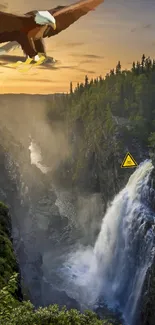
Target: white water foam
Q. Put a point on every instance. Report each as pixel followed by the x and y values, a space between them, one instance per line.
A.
pixel 116 266
pixel 36 157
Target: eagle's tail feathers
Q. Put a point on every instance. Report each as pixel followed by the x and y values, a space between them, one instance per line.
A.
pixel 10 46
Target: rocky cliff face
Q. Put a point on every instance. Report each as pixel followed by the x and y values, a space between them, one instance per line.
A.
pixel 147 316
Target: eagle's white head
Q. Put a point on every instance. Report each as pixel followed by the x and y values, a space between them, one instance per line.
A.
pixel 45 18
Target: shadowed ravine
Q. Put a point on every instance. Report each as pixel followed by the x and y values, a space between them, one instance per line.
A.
pixel 71 252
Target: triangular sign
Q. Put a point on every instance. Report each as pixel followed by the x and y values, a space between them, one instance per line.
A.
pixel 128 161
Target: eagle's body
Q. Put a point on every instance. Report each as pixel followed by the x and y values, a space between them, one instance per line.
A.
pixel 29 30
pixel 37 32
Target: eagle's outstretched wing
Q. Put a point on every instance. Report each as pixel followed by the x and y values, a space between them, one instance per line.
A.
pixel 67 15
pixel 12 26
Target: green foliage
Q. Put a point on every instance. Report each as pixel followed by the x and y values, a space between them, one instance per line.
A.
pixel 116 114
pixel 4 218
pixel 127 93
pixel 13 312
pixel 8 263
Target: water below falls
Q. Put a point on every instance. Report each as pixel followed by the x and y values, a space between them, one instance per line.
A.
pixel 116 266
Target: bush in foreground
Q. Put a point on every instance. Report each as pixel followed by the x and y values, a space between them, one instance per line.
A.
pixel 13 312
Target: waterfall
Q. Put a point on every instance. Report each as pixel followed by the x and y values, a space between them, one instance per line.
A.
pixel 36 157
pixel 117 264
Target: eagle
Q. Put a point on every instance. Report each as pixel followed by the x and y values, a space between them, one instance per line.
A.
pixel 30 29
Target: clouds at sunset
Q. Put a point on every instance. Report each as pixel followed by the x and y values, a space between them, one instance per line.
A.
pixel 89 56
pixel 3 6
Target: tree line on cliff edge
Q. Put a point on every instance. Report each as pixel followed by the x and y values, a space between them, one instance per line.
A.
pixel 125 93
pixel 112 113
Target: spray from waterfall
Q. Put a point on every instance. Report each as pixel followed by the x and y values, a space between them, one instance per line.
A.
pixel 117 264
pixel 36 157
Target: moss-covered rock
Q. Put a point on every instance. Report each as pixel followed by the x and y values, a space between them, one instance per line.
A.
pixel 5 220
pixel 8 262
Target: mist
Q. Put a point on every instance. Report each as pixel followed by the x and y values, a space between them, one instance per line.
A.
pixel 50 219
pixel 25 117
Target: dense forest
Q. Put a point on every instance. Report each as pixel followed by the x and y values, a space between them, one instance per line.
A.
pixel 104 118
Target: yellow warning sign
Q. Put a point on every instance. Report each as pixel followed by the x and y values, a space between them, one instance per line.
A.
pixel 129 161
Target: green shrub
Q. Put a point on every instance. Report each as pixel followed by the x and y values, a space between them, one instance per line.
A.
pixel 8 264
pixel 13 312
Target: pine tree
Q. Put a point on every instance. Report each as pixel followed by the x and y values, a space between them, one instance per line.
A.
pixel 133 67
pixel 100 79
pixel 143 62
pixel 71 87
pixel 118 67
pixel 112 72
pixel 138 67
pixel 148 64
pixel 86 81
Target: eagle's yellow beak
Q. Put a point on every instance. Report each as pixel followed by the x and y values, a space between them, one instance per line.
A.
pixel 54 26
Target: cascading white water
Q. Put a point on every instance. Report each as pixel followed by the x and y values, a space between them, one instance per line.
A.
pixel 36 157
pixel 116 266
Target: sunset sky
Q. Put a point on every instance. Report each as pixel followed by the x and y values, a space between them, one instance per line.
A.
pixel 117 30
